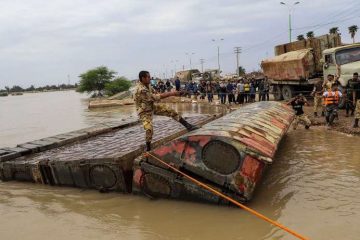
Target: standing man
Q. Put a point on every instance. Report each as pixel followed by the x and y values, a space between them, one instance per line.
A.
pixel 247 91
pixel 331 100
pixel 349 101
pixel 223 93
pixel 230 89
pixel 356 98
pixel 297 103
pixel 266 89
pixel 145 99
pixel 261 90
pixel 240 91
pixel 168 85
pixel 317 94
pixel 177 84
pixel 330 79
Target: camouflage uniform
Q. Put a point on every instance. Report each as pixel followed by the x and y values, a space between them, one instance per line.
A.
pixel 301 119
pixel 145 99
pixel 318 103
pixel 357 109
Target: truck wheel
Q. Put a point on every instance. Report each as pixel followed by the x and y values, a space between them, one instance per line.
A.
pixel 287 92
pixel 207 76
pixel 277 93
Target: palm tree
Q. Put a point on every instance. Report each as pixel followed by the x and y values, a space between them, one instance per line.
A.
pixel 300 37
pixel 334 30
pixel 310 34
pixel 352 30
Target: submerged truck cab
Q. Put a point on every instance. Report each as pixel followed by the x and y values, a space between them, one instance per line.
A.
pixel 343 61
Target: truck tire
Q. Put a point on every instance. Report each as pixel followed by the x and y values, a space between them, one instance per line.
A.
pixel 287 92
pixel 207 76
pixel 277 93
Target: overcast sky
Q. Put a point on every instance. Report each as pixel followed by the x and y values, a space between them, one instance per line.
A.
pixel 42 42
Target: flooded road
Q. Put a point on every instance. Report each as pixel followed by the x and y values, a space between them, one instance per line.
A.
pixel 313 187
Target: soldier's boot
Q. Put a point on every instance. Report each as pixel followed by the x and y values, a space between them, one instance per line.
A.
pixel 147 149
pixel 187 125
pixel 148 146
pixel 327 120
pixel 356 123
pixel 331 119
pixel 315 114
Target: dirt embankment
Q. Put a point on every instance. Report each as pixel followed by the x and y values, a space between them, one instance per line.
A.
pixel 343 124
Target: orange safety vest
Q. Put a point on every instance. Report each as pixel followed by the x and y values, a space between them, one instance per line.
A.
pixel 332 99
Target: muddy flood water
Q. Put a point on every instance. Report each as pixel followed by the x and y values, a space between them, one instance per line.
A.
pixel 313 187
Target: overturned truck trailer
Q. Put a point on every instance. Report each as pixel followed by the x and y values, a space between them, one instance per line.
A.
pixel 230 154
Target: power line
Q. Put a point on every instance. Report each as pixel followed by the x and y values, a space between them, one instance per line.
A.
pixel 333 15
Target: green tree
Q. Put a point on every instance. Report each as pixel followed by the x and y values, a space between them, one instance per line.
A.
pixel 241 70
pixel 94 80
pixel 334 30
pixel 310 34
pixel 7 89
pixel 352 30
pixel 16 88
pixel 300 37
pixel 119 84
pixel 31 88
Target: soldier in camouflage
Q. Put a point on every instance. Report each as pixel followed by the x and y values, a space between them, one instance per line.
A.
pixel 317 94
pixel 145 99
pixel 300 117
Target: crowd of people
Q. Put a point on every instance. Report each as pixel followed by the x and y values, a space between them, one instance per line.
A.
pixel 327 97
pixel 237 91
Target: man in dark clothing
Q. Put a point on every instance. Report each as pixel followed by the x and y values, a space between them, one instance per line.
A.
pixel 297 103
pixel 223 92
pixel 266 89
pixel 177 84
pixel 230 89
pixel 261 90
pixel 356 98
pixel 349 103
pixel 168 85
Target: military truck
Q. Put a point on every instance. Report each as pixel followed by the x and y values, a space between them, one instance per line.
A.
pixel 297 66
pixel 186 75
pixel 197 76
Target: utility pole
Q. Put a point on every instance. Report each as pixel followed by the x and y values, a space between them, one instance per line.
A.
pixel 237 51
pixel 290 8
pixel 202 61
pixel 189 54
pixel 218 50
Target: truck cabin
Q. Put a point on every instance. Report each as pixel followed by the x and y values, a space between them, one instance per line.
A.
pixel 349 55
pixel 344 60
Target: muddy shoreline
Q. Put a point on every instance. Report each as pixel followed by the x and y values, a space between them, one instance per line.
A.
pixel 343 124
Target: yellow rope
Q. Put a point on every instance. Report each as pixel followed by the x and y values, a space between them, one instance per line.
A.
pixel 229 198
